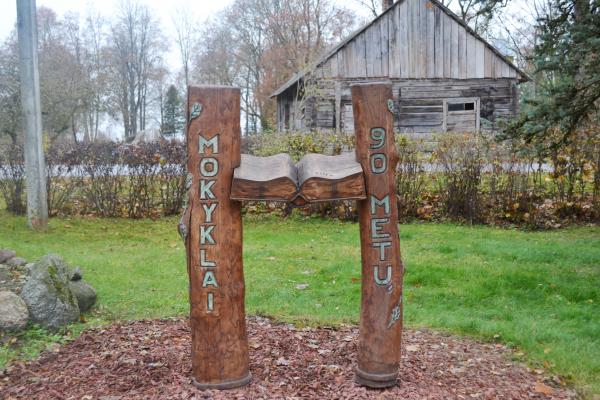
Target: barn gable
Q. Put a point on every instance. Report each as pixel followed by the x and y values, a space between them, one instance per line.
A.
pixel 413 39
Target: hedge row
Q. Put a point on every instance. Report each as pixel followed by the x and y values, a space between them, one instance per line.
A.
pixel 459 177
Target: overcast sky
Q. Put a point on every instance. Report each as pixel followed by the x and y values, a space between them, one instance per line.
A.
pixel 164 9
pixel 201 9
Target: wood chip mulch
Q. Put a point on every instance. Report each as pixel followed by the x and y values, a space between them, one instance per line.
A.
pixel 151 360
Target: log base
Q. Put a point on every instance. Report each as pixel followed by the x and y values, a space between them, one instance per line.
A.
pixel 376 381
pixel 223 385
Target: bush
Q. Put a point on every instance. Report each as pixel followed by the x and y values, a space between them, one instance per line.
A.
pixel 101 179
pixel 461 163
pixel 61 176
pixel 468 178
pixel 410 179
pixel 12 178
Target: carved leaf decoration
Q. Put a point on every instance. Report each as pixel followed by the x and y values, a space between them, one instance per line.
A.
pixel 195 111
pixel 390 105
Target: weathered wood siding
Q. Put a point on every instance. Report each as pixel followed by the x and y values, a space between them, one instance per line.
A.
pixel 420 105
pixel 416 39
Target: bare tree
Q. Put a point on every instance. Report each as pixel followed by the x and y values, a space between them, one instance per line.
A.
pixel 185 28
pixel 478 14
pixel 137 50
pixel 10 94
pixel 258 44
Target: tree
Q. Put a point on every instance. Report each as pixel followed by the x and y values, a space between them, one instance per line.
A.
pixel 566 60
pixel 136 52
pixel 258 44
pixel 478 14
pixel 10 93
pixel 97 74
pixel 173 120
pixel 185 28
pixel 63 81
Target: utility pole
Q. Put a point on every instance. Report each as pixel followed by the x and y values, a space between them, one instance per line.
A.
pixel 37 205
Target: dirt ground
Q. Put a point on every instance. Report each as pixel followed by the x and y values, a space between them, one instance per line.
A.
pixel 151 360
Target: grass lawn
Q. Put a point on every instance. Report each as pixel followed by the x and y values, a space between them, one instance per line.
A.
pixel 536 291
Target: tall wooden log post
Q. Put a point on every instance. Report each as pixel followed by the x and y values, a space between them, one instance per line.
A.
pixel 212 229
pixel 382 270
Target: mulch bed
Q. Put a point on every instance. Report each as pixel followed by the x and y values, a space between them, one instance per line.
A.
pixel 150 360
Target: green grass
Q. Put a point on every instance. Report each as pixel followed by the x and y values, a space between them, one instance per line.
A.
pixel 536 291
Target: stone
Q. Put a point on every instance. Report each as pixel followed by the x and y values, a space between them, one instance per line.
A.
pixel 5 274
pixel 47 293
pixel 76 275
pixel 84 293
pixel 12 278
pixel 16 262
pixel 13 312
pixel 6 255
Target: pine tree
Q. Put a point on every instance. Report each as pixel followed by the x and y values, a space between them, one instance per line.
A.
pixel 568 61
pixel 173 119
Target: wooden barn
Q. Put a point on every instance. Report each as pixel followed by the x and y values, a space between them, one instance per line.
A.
pixel 445 77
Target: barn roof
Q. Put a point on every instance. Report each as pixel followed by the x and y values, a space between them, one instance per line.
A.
pixel 299 75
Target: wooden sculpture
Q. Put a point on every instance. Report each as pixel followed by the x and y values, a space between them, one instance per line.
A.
pixel 212 227
pixel 219 178
pixel 315 178
pixel 382 271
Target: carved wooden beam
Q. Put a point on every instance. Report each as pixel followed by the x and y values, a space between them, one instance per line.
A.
pixel 212 226
pixel 382 270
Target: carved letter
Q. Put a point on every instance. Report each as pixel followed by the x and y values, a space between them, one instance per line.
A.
pixel 385 202
pixel 213 143
pixel 382 246
pixel 209 279
pixel 210 302
pixel 203 262
pixel 205 234
pixel 378 169
pixel 376 227
pixel 205 191
pixel 208 210
pixel 214 167
pixel 388 276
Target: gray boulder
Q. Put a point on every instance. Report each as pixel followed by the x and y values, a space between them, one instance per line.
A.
pixel 47 293
pixel 5 274
pixel 16 262
pixel 6 255
pixel 84 293
pixel 13 312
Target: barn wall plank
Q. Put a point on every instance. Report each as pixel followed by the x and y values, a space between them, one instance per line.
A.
pixel 479 58
pixel 430 39
pixel 454 51
pixel 395 44
pixel 403 39
pixel 439 43
pixel 423 44
pixel 461 53
pixel 447 41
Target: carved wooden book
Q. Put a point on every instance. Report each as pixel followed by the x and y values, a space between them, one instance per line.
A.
pixel 315 178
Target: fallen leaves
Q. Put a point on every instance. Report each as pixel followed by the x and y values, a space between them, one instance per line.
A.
pixel 151 360
pixel 543 388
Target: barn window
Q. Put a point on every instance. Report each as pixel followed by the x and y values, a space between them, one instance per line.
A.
pixel 469 106
pixel 461 114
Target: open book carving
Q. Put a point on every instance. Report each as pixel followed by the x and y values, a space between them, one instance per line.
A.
pixel 315 178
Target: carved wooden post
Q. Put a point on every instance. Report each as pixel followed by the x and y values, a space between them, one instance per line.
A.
pixel 212 229
pixel 382 270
